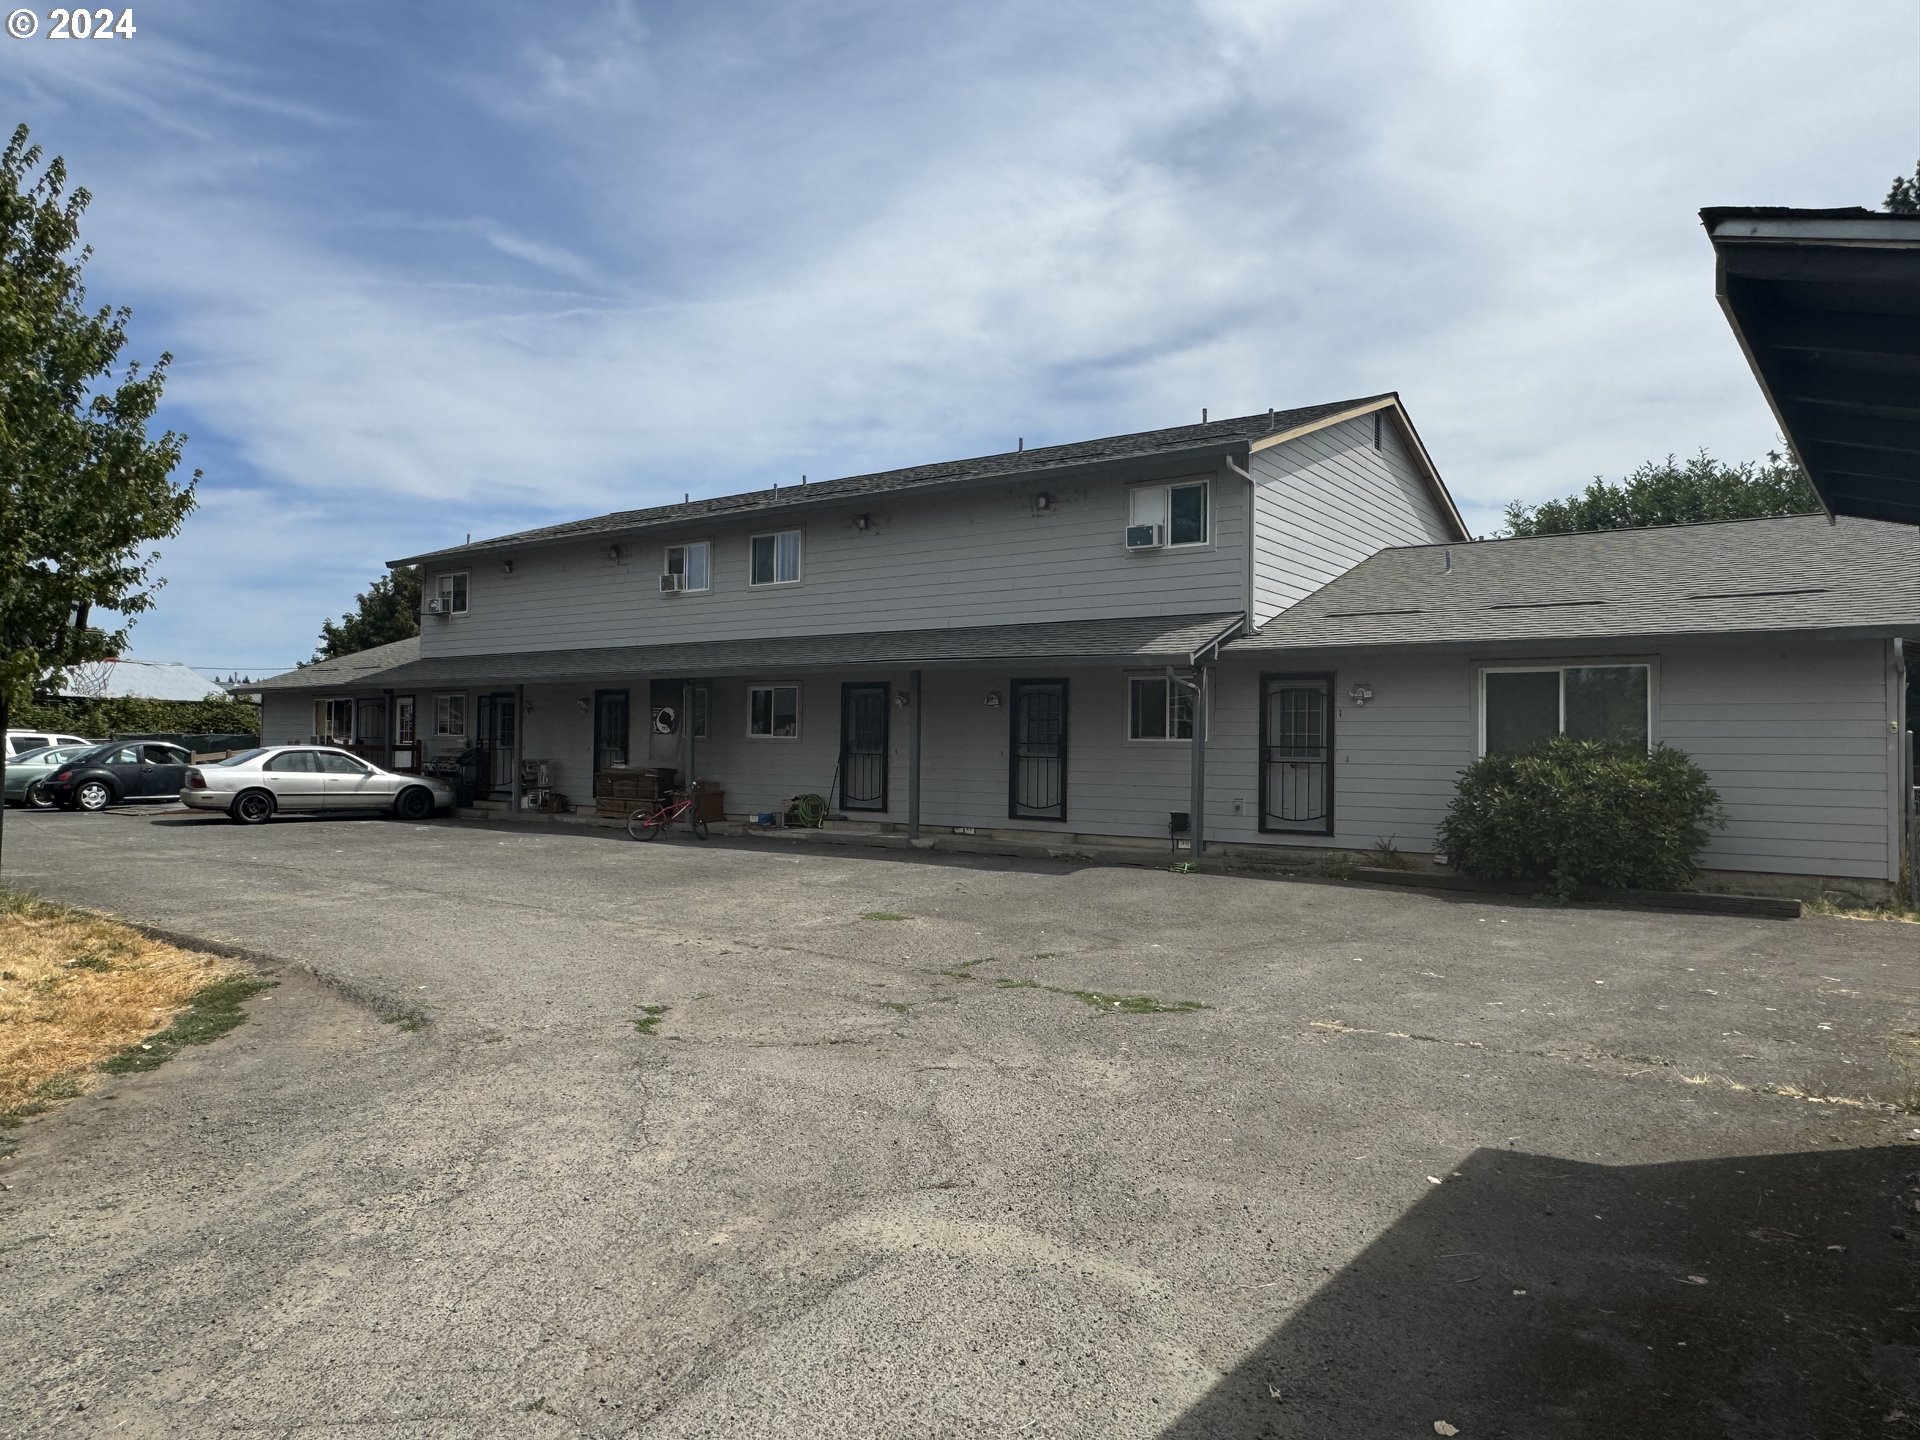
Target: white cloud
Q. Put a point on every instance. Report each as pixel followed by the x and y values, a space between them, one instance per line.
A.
pixel 847 237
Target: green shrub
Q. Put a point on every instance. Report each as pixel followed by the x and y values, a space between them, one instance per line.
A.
pixel 1577 814
pixel 126 715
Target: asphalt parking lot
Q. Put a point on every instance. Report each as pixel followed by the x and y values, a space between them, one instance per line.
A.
pixel 929 1148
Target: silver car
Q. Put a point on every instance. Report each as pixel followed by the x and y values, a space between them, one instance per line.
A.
pixel 26 770
pixel 253 785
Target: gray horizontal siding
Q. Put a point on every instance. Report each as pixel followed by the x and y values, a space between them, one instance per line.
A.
pixel 983 558
pixel 285 719
pixel 1805 789
pixel 1326 501
pixel 1793 736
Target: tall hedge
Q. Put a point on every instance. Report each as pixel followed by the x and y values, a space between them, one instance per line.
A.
pixel 97 719
pixel 1580 814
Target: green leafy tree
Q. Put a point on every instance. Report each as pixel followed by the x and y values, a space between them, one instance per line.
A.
pixel 1673 492
pixel 1904 197
pixel 83 487
pixel 387 610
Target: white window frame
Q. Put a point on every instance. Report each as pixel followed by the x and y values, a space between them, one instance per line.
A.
pixel 683 546
pixel 700 709
pixel 443 715
pixel 1560 668
pixel 1164 489
pixel 443 591
pixel 799 558
pixel 323 719
pixel 752 690
pixel 1169 738
pixel 408 707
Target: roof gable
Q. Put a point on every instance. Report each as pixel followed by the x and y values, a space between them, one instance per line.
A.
pixel 1235 435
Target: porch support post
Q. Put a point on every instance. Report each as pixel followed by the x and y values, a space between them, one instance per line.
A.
pixel 1197 802
pixel 519 744
pixel 913 755
pixel 688 777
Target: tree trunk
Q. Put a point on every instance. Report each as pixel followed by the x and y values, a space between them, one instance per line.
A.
pixel 5 715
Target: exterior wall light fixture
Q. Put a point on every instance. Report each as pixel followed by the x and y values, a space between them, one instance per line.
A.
pixel 863 522
pixel 506 567
pixel 1359 694
pixel 993 699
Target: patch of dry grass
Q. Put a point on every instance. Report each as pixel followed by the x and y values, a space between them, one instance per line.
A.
pixel 1841 910
pixel 78 990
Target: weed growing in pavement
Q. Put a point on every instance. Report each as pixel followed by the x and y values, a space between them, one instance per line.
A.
pixel 882 915
pixel 1100 1000
pixel 649 1019
pixel 403 1020
pixel 211 1013
pixel 1387 855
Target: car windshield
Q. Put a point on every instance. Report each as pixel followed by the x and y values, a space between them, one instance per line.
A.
pixel 240 757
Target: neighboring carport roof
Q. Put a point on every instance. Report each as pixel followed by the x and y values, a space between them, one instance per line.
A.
pixel 1826 304
pixel 1800 573
pixel 1150 639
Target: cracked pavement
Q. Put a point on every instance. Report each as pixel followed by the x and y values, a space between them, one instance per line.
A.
pixel 854 1183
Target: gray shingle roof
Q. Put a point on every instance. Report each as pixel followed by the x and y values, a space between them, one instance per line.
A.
pixel 1745 576
pixel 1157 639
pixel 1217 436
pixel 345 671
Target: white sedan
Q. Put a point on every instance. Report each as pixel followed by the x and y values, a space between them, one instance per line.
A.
pixel 255 784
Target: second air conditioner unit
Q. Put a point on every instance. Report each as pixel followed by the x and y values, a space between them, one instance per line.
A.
pixel 672 584
pixel 1146 537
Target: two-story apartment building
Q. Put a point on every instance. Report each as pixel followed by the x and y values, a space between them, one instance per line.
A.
pixel 1234 626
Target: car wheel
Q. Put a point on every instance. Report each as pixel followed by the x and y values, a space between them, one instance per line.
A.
pixel 415 803
pixel 36 798
pixel 252 807
pixel 93 795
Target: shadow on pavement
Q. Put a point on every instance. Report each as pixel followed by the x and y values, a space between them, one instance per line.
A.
pixel 1766 1295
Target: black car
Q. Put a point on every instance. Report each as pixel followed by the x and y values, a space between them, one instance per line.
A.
pixel 125 770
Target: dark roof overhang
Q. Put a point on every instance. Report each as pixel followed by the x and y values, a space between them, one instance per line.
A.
pixel 1826 305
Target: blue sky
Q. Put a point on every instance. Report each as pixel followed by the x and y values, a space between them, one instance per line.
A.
pixel 435 268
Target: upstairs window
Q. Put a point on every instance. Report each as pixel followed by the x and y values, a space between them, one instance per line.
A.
pixel 694 562
pixel 452 593
pixel 1184 511
pixel 776 559
pixel 1521 708
pixel 1158 709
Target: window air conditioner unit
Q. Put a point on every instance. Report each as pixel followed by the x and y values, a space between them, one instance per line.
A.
pixel 672 584
pixel 436 605
pixel 1146 537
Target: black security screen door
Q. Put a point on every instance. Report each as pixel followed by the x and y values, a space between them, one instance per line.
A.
pixel 609 729
pixel 1296 753
pixel 497 716
pixel 1037 750
pixel 863 747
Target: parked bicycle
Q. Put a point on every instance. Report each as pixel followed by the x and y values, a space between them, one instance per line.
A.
pixel 645 824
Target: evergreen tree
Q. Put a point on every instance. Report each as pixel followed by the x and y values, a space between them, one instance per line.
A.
pixel 387 610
